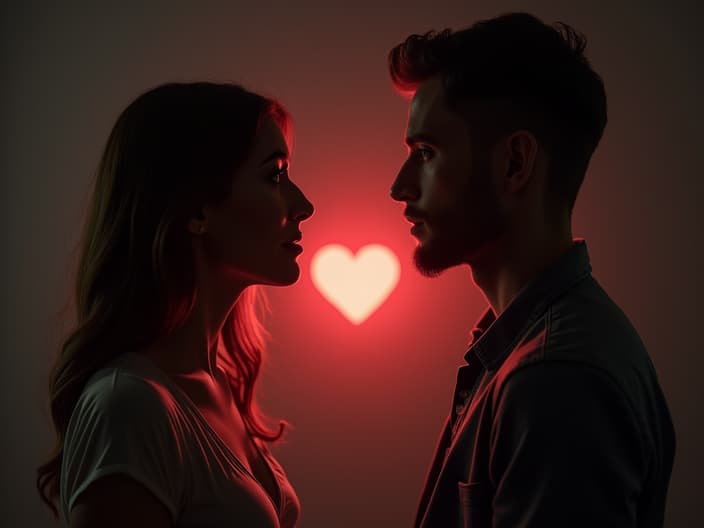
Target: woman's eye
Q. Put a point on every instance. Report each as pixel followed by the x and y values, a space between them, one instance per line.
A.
pixel 280 173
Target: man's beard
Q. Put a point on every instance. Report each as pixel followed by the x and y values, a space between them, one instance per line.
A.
pixel 455 240
pixel 435 256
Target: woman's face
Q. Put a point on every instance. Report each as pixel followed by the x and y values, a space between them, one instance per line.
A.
pixel 249 235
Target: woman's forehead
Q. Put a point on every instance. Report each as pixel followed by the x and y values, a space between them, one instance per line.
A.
pixel 269 142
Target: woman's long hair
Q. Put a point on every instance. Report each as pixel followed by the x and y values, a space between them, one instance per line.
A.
pixel 173 150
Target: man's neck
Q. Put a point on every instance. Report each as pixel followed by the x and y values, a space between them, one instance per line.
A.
pixel 513 262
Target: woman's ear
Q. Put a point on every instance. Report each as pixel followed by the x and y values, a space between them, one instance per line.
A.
pixel 522 148
pixel 197 224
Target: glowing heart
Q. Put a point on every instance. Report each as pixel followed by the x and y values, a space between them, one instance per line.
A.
pixel 355 284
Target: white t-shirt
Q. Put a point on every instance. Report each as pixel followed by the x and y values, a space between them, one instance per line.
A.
pixel 131 419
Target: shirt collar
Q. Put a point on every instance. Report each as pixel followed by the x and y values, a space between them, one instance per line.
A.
pixel 493 338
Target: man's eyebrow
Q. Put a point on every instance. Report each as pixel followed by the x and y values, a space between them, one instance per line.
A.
pixel 277 154
pixel 419 138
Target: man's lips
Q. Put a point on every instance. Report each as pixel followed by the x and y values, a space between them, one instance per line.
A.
pixel 412 215
pixel 417 228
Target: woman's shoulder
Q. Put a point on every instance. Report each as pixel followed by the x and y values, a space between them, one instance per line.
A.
pixel 127 384
pixel 124 422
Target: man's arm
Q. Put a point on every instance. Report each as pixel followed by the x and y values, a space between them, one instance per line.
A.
pixel 566 450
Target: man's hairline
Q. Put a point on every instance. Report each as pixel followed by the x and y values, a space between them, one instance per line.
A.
pixel 475 140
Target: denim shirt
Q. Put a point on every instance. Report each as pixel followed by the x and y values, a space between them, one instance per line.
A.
pixel 558 418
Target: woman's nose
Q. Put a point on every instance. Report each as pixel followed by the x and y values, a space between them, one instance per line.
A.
pixel 303 207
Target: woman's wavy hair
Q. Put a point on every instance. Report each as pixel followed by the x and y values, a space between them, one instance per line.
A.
pixel 173 150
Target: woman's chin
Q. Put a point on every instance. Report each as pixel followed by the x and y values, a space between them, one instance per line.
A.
pixel 287 277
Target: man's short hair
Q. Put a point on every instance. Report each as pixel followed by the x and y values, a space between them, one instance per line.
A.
pixel 515 72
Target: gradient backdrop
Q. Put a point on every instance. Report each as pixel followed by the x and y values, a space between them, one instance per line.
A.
pixel 366 401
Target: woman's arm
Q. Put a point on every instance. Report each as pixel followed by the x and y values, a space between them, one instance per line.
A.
pixel 118 501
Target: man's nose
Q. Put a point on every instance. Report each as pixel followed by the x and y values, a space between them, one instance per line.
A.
pixel 405 188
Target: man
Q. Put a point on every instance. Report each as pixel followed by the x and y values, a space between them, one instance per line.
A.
pixel 558 418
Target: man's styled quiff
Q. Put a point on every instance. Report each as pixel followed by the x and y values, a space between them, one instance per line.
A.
pixel 515 72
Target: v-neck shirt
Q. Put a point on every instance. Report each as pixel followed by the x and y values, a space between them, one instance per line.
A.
pixel 132 419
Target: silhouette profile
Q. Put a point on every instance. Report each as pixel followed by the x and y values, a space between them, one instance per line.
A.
pixel 152 394
pixel 557 417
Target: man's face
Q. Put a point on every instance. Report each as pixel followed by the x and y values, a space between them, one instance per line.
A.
pixel 447 185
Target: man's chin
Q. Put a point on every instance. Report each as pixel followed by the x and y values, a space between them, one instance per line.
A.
pixel 431 263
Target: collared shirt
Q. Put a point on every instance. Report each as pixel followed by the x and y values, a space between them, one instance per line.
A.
pixel 469 378
pixel 492 337
pixel 557 419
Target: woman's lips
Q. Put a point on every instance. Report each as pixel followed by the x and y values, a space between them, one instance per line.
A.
pixel 293 247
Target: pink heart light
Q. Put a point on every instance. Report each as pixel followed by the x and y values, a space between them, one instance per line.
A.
pixel 357 285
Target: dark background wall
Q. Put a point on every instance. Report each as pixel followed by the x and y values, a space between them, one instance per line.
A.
pixel 366 401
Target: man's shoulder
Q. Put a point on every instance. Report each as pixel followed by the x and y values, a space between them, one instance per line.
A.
pixel 583 329
pixel 585 325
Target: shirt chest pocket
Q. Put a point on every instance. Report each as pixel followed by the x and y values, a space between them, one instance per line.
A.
pixel 475 504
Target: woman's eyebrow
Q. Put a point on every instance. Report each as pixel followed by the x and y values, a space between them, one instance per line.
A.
pixel 277 154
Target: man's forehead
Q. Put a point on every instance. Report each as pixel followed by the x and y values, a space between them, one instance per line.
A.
pixel 428 109
pixel 429 91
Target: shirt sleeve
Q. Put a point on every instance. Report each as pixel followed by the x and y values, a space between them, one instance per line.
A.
pixel 566 450
pixel 123 425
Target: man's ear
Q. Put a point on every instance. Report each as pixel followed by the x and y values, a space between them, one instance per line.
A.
pixel 521 152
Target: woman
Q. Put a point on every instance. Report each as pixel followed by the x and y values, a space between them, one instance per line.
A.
pixel 152 393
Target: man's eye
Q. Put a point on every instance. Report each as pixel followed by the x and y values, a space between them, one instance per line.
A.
pixel 422 153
